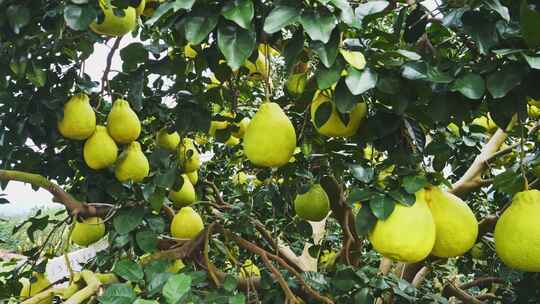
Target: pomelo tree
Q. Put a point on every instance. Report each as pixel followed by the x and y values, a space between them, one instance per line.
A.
pixel 402 132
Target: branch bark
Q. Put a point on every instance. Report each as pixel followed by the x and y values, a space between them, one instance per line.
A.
pixel 75 207
pixel 451 290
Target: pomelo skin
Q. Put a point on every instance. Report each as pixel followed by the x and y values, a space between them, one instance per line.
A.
pixel 334 126
pixel 270 138
pixel 313 205
pixel 408 234
pixel 456 225
pixel 517 232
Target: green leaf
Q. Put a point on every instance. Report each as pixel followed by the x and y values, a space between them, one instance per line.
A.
pixel 382 206
pixel 362 174
pixel 323 113
pixel 238 298
pixel 347 13
pixel 127 220
pixel 481 29
pixel 142 301
pixel 363 296
pixel 359 82
pixel 530 23
pixel 128 270
pixel 496 6
pixel 533 61
pixel 147 240
pixel 500 82
pixel 18 17
pixel 369 8
pixel 327 52
pixel 293 48
pixel 198 24
pixel 435 74
pixel 414 71
pixel 230 283
pixel 471 85
pixel 36 75
pixel 412 184
pixel 132 55
pixel 157 282
pixel 415 24
pixel 328 77
pixel 118 294
pixel 280 17
pixel 79 17
pixel 318 24
pixel 166 7
pixel 509 182
pixel 409 55
pixel 343 98
pixel 364 221
pixel 177 286
pixel 239 11
pixel 359 195
pixel 236 44
pixel 402 197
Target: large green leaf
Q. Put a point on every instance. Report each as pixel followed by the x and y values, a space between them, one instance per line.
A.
pixel 382 206
pixel 166 7
pixel 530 23
pixel 239 11
pixel 128 270
pixel 482 30
pixel 18 17
pixel 280 17
pixel 177 286
pixel 502 81
pixel 369 8
pixel 471 85
pixel 118 294
pixel 328 77
pixel 345 101
pixel 198 24
pixel 127 220
pixel 79 17
pixel 359 82
pixel 236 44
pixel 327 52
pixel 318 24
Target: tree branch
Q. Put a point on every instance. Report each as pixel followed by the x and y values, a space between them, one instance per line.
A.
pixel 451 290
pixel 75 207
pixel 105 77
pixel 481 282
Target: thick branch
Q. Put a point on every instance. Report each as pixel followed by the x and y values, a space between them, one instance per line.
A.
pixel 451 290
pixel 471 180
pixel 92 286
pixel 259 251
pixel 481 282
pixel 74 206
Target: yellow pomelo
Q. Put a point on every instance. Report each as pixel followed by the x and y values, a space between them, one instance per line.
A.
pixel 186 224
pixel 296 83
pixel 455 224
pixel 176 266
pixel 248 269
pixel 328 259
pixel 184 196
pixel 79 121
pixel 132 164
pixel 122 123
pixel 270 138
pixel 88 231
pixel 30 289
pixel 188 155
pixel 313 205
pixel 408 234
pixel 533 111
pixel 454 129
pixel 189 52
pixel 517 233
pixel 259 69
pixel 216 125
pixel 354 58
pixel 100 150
pixel 334 126
pixel 166 140
pixel 113 25
pixel 533 102
pixel 140 8
pixel 486 122
pixel 242 127
pixel 193 177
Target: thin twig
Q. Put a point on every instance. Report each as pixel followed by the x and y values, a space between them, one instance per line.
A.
pixel 105 77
